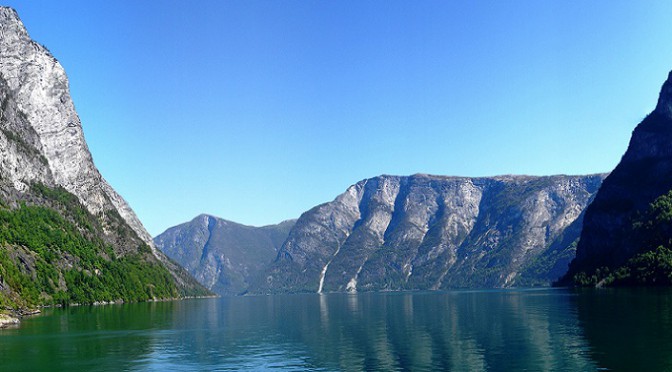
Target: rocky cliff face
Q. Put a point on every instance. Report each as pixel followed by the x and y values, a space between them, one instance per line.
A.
pixel 644 173
pixel 432 232
pixel 223 255
pixel 65 234
pixel 40 89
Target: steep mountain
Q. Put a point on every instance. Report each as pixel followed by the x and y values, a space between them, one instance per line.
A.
pixel 65 234
pixel 610 236
pixel 433 232
pixel 223 255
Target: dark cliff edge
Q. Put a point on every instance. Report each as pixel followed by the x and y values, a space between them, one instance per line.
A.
pixel 618 224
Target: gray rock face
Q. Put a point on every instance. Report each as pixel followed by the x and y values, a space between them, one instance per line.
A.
pixel 223 255
pixel 20 149
pixel 44 161
pixel 40 89
pixel 643 174
pixel 433 232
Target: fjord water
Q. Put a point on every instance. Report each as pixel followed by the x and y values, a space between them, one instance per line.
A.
pixel 550 329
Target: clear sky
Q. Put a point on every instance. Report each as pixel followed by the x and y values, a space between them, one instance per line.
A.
pixel 256 111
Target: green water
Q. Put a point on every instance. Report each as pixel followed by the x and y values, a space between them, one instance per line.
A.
pixel 510 330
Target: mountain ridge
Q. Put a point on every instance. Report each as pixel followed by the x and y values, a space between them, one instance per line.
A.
pixel 416 232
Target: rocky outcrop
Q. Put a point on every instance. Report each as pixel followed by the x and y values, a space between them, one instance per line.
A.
pixel 7 320
pixel 434 232
pixel 223 255
pixel 643 174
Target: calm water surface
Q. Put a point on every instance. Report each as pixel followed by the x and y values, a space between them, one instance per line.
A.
pixel 503 330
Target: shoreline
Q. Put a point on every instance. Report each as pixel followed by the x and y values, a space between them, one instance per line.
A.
pixel 13 317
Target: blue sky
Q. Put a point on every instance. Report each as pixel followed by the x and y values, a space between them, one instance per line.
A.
pixel 256 111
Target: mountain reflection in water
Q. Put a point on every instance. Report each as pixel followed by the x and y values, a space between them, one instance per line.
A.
pixel 546 329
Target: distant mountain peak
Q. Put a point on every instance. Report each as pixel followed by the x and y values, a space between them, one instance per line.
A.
pixel 223 255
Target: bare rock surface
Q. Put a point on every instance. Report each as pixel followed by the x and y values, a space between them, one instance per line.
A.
pixel 426 232
pixel 40 87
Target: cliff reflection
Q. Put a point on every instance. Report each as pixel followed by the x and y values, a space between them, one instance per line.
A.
pixel 628 328
pixel 448 331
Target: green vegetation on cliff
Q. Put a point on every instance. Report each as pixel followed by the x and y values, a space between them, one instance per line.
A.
pixel 57 256
pixel 652 265
pixel 653 268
